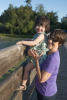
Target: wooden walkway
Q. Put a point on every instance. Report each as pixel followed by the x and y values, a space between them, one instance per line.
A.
pixel 62 76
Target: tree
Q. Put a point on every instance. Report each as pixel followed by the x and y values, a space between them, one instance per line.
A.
pixel 40 10
pixel 64 23
pixel 22 20
pixel 28 2
pixel 53 19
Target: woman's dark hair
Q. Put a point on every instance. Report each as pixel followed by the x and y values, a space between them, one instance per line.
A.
pixel 58 35
pixel 43 21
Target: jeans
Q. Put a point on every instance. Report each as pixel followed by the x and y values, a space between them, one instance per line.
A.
pixel 41 97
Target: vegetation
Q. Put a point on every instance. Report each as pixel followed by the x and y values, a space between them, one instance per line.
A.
pixel 21 21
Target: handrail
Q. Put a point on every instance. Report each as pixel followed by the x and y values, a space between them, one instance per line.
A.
pixel 11 80
pixel 9 57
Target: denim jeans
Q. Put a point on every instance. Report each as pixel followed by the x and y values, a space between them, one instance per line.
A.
pixel 41 97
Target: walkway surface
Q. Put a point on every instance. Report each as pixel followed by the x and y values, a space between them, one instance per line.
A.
pixel 62 76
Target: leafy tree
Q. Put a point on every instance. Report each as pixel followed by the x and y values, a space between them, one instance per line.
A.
pixel 18 20
pixel 2 28
pixel 22 20
pixel 28 2
pixel 64 23
pixel 53 19
pixel 40 10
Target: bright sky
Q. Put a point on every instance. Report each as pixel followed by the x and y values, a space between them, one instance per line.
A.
pixel 59 6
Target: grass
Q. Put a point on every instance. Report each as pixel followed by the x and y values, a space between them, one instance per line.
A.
pixel 14 36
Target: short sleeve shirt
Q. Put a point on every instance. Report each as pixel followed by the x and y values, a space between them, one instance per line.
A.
pixel 50 65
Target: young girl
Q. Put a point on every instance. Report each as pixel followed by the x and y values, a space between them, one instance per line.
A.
pixel 42 25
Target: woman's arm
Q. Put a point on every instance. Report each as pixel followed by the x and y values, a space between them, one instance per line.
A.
pixel 42 75
pixel 41 54
pixel 30 52
pixel 33 42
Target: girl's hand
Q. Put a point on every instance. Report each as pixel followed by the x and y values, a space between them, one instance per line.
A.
pixel 19 43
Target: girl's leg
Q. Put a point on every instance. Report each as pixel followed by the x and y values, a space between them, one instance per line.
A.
pixel 27 69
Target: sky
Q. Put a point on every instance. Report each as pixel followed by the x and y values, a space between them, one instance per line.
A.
pixel 59 6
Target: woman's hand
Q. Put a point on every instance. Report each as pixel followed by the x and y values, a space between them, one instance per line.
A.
pixel 35 55
pixel 30 53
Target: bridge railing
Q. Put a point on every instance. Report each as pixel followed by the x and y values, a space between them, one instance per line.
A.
pixel 11 72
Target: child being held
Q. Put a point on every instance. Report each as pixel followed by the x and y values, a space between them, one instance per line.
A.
pixel 42 25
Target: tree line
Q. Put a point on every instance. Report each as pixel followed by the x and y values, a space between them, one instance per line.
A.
pixel 21 20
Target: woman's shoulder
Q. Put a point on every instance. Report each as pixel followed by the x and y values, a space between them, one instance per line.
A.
pixel 54 56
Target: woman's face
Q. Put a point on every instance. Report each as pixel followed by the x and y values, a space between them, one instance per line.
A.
pixel 40 29
pixel 52 45
pixel 49 44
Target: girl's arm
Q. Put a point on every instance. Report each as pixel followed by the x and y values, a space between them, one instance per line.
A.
pixel 42 75
pixel 33 42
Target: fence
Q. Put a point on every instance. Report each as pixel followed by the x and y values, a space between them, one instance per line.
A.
pixel 11 75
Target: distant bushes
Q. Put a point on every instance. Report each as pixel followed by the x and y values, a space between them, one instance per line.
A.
pixel 20 21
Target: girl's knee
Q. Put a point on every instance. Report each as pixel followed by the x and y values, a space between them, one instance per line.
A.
pixel 29 67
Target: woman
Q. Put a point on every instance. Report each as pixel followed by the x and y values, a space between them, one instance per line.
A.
pixel 47 72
